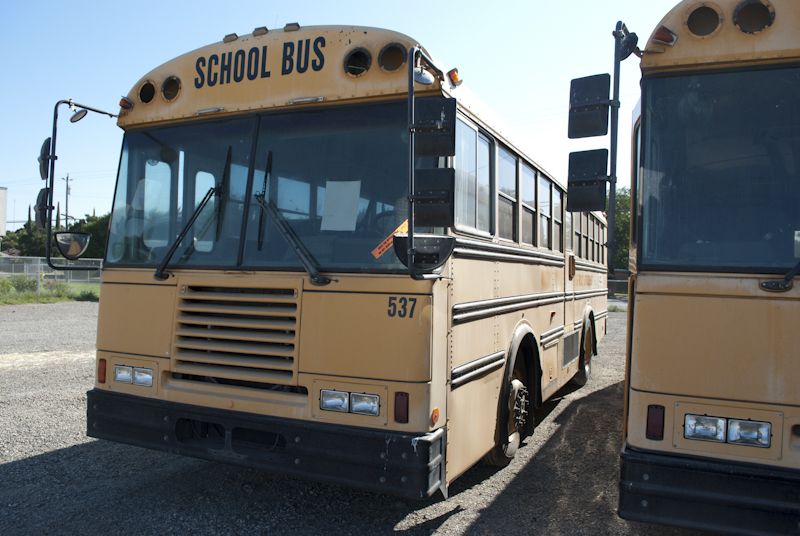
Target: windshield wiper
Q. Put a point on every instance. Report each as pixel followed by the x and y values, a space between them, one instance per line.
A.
pixel 781 285
pixel 160 273
pixel 292 239
pixel 222 187
pixel 267 173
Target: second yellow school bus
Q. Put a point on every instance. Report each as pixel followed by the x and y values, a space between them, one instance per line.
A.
pixel 712 422
pixel 253 309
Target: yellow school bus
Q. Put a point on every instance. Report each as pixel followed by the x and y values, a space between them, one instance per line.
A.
pixel 323 261
pixel 712 416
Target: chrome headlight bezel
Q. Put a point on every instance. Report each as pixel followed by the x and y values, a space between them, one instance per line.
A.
pixel 749 433
pixel 143 376
pixel 123 374
pixel 332 400
pixel 705 428
pixel 365 404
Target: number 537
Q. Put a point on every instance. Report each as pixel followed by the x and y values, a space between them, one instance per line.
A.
pixel 401 307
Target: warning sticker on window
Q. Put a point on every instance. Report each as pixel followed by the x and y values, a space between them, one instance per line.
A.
pixel 384 246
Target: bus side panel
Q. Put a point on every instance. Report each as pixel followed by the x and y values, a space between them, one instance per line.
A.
pixel 471 407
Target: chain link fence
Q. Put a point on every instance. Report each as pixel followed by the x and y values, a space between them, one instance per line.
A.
pixel 36 269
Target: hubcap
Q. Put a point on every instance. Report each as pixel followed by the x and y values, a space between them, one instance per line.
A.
pixel 518 406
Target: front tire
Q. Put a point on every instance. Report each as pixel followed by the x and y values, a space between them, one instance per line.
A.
pixel 512 420
pixel 585 364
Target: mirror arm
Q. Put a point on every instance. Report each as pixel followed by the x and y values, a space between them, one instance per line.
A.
pixel 48 247
pixel 413 54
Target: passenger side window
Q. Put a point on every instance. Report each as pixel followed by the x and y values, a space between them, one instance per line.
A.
pixel 528 204
pixel 557 223
pixel 544 212
pixel 507 195
pixel 473 178
pixel 568 230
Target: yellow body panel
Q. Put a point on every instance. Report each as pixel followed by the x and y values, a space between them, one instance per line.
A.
pixel 121 329
pixel 351 335
pixel 739 351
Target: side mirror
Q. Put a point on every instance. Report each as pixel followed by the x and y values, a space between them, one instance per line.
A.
pixel 432 251
pixel 435 197
pixel 72 245
pixel 41 207
pixel 435 126
pixel 586 184
pixel 44 159
pixel 588 106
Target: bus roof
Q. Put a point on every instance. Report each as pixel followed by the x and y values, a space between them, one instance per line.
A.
pixel 270 69
pixel 294 66
pixel 723 33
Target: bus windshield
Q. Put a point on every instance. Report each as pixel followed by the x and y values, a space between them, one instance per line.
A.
pixel 337 176
pixel 720 182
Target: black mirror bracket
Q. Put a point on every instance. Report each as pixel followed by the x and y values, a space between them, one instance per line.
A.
pixel 47 159
pixel 589 116
pixel 430 203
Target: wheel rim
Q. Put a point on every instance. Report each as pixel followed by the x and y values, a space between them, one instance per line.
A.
pixel 587 352
pixel 517 412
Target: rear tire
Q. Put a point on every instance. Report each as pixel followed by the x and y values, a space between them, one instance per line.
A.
pixel 512 421
pixel 585 364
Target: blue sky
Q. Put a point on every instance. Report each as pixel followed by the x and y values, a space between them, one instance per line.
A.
pixel 517 56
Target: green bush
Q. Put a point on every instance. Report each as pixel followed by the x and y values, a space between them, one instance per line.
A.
pixel 5 286
pixel 57 288
pixel 86 295
pixel 22 283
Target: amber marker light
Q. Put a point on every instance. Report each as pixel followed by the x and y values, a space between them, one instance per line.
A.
pixel 454 77
pixel 665 36
pixel 101 370
pixel 434 416
pixel 125 103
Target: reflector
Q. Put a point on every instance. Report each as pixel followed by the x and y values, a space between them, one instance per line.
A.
pixel 401 407
pixel 655 423
pixel 101 371
pixel 665 36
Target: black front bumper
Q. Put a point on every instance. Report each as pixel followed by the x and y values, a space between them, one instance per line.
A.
pixel 411 466
pixel 709 495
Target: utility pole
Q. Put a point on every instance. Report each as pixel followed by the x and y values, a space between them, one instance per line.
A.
pixel 66 204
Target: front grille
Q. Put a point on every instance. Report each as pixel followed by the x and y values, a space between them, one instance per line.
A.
pixel 236 335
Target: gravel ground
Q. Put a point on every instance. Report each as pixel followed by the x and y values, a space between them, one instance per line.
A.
pixel 54 480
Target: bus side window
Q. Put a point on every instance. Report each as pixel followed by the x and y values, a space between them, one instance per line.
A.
pixel 637 158
pixel 507 195
pixel 545 214
pixel 568 231
pixel 473 164
pixel 557 219
pixel 466 174
pixel 528 204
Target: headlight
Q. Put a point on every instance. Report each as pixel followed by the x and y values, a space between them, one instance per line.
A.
pixel 704 427
pixel 143 376
pixel 123 374
pixel 365 404
pixel 334 400
pixel 753 433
